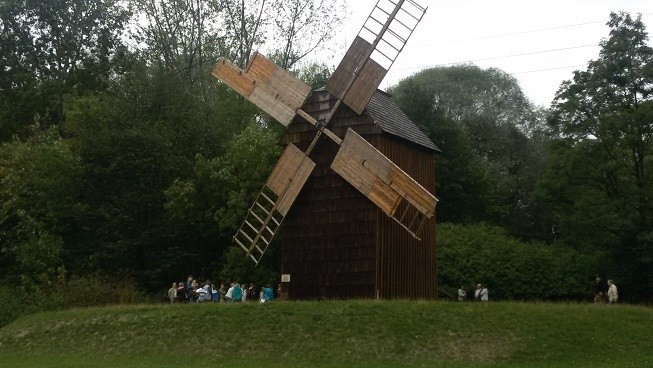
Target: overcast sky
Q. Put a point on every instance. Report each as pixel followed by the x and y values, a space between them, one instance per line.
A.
pixel 539 42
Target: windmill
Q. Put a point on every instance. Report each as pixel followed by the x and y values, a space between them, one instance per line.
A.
pixel 356 79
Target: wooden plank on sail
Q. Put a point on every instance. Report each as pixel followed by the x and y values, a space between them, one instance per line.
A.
pixel 362 76
pixel 362 165
pixel 285 169
pixel 295 186
pixel 266 85
pixel 232 76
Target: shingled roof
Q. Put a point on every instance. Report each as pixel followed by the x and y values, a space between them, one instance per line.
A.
pixel 389 117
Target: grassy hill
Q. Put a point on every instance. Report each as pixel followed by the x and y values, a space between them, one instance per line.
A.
pixel 334 334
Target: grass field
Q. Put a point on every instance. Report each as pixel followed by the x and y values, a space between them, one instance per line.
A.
pixel 334 334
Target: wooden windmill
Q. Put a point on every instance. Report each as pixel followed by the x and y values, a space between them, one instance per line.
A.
pixel 354 83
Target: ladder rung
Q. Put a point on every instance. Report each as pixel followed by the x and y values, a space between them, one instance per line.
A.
pixel 266 197
pixel 381 9
pixel 385 56
pixel 417 214
pixel 263 208
pixel 241 244
pixel 251 226
pixel 254 258
pixel 397 36
pixel 391 45
pixel 376 20
pixel 421 224
pixel 422 9
pixel 405 26
pixel 411 14
pixel 256 217
pixel 371 31
pixel 278 223
pixel 247 236
pixel 270 230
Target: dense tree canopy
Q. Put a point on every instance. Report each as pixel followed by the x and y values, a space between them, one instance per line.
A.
pixel 600 182
pixel 491 148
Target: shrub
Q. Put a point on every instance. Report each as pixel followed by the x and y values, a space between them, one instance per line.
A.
pixel 515 270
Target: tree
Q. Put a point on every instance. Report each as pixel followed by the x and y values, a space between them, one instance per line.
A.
pixel 50 49
pixel 301 27
pixel 182 34
pixel 491 151
pixel 600 174
pixel 39 205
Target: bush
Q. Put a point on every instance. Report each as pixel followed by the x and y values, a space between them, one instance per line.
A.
pixel 514 270
pixel 10 306
pixel 96 289
pixel 77 291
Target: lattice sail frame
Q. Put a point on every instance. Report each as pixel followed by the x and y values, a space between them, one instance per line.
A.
pixel 358 76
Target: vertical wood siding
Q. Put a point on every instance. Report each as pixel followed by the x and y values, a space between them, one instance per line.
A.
pixel 334 242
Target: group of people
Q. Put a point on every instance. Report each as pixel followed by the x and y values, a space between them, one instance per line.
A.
pixel 195 292
pixel 606 291
pixel 480 294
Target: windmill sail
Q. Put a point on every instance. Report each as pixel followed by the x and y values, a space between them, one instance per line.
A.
pixel 378 44
pixel 273 202
pixel 266 85
pixel 384 183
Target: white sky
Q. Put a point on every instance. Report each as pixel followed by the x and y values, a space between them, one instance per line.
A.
pixel 490 33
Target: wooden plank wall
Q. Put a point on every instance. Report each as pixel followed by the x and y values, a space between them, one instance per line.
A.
pixel 334 242
pixel 328 239
pixel 406 267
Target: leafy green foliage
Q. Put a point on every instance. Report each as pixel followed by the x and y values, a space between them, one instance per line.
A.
pixel 600 179
pixel 51 49
pixel 39 179
pixel 492 152
pixel 511 269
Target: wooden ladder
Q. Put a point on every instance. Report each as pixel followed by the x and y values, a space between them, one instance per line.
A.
pixel 405 15
pixel 260 225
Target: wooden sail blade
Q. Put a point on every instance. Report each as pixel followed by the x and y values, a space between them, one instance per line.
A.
pixel 376 47
pixel 273 202
pixel 266 85
pixel 289 176
pixel 380 180
pixel 357 93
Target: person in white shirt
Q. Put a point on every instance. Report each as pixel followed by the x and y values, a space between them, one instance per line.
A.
pixel 229 297
pixel 477 292
pixel 484 294
pixel 613 293
pixel 462 294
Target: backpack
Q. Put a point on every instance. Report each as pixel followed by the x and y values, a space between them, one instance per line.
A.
pixel 238 293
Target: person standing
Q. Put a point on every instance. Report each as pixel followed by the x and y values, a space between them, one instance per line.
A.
pixel 477 293
pixel 267 294
pixel 172 293
pixel 223 292
pixel 601 289
pixel 484 293
pixel 229 296
pixel 613 293
pixel 462 294
pixel 237 293
pixel 215 294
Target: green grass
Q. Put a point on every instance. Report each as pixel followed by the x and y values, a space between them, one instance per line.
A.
pixel 334 334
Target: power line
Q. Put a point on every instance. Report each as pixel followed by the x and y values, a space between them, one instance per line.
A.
pixel 501 57
pixel 548 69
pixel 516 33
